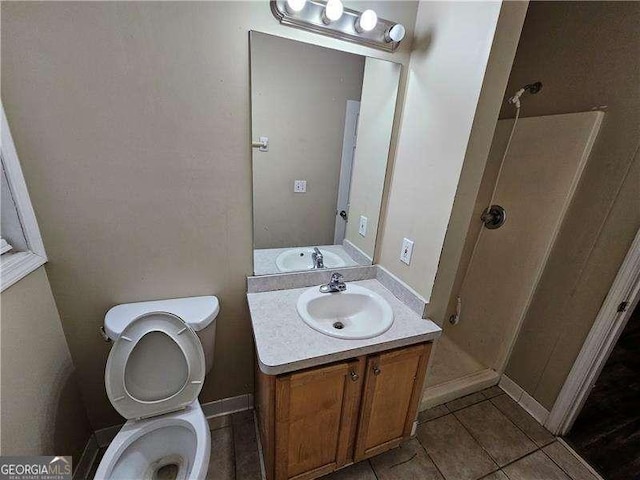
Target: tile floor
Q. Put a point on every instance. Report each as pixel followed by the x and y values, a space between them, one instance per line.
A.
pixel 482 436
pixel 485 435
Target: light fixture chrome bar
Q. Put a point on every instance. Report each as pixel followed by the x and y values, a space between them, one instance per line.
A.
pixel 310 18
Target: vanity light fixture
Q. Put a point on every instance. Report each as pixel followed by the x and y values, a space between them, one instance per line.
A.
pixel 333 11
pixel 395 33
pixel 331 18
pixel 367 21
pixel 295 6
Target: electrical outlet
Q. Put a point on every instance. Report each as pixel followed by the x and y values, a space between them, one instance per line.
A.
pixel 300 186
pixel 362 229
pixel 407 250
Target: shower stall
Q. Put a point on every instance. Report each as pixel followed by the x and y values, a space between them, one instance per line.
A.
pixel 532 172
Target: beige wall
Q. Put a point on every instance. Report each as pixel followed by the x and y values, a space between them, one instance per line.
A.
pixel 132 122
pixel 41 409
pixel 586 54
pixel 375 124
pixel 448 65
pixel 463 223
pixel 299 96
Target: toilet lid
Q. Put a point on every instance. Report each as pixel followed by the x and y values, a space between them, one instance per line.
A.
pixel 155 366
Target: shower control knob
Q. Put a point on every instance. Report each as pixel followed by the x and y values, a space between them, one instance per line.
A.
pixel 494 217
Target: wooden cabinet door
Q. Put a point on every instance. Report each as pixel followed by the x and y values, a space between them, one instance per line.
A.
pixel 316 419
pixel 392 391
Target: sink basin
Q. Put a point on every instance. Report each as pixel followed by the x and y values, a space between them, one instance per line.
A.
pixel 355 313
pixel 300 259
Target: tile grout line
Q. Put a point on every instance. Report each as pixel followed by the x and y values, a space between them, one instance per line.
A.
pixel 515 460
pixel 500 468
pixel 481 446
pixel 538 447
pixel 473 436
pixel 558 465
pixel 580 459
pixel 375 474
pixel 233 451
pixel 434 418
pixel 430 458
pixel 453 412
pixel 466 406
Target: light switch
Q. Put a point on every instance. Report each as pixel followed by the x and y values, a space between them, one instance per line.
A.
pixel 362 228
pixel 407 250
pixel 300 186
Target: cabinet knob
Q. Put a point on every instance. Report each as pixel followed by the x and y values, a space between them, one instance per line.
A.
pixel 354 376
pixel 376 370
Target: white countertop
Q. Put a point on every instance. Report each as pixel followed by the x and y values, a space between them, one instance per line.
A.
pixel 285 343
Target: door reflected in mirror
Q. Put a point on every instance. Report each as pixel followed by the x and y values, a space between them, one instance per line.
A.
pixel 321 122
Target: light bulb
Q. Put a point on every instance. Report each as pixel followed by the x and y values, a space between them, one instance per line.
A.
pixel 294 6
pixel 367 21
pixel 332 11
pixel 395 33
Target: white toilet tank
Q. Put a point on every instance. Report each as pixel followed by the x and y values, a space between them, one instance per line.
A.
pixel 198 312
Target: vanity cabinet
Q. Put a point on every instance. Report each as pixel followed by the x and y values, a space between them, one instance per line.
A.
pixel 392 390
pixel 314 421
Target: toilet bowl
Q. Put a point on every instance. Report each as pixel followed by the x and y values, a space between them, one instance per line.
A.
pixel 172 446
pixel 155 371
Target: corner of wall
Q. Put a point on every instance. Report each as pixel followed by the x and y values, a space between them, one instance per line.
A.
pixel 44 415
pixel 419 204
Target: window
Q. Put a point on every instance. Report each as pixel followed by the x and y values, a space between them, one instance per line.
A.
pixel 21 248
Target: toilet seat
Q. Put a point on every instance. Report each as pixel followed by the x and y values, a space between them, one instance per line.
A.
pixel 155 366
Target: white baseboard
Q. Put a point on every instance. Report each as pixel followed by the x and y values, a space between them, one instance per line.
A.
pixel 228 405
pixel 459 387
pixel 87 459
pixel 523 399
pixel 104 436
pixel 217 408
pixel 536 410
pixel 512 389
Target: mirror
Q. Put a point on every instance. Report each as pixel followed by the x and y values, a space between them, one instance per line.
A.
pixel 321 122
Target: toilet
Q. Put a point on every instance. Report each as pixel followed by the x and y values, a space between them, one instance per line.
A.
pixel 161 353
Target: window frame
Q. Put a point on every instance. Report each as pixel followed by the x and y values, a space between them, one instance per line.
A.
pixel 16 265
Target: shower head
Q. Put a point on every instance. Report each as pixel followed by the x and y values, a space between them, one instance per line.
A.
pixel 532 88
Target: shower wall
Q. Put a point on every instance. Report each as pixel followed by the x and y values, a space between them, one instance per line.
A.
pixel 586 54
pixel 540 173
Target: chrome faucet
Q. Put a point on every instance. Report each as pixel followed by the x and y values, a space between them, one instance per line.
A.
pixel 335 284
pixel 317 258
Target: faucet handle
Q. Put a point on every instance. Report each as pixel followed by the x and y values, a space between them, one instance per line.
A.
pixel 336 277
pixel 335 284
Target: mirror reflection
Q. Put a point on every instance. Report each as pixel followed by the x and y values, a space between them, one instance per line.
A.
pixel 321 128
